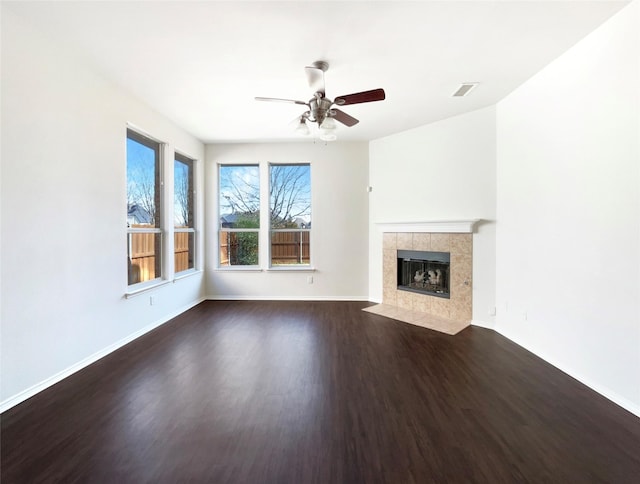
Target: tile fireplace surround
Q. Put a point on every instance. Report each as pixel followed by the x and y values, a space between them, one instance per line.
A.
pixel 446 315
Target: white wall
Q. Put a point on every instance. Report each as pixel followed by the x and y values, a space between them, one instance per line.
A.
pixel 64 271
pixel 339 221
pixel 441 171
pixel 568 236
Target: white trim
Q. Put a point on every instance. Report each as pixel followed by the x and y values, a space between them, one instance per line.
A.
pixel 186 273
pixel 145 134
pixel 287 298
pixel 433 226
pixel 52 380
pixel 604 391
pixel 232 269
pixel 293 268
pixel 482 324
pixel 148 287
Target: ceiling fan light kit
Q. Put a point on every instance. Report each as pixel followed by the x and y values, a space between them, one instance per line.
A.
pixel 321 110
pixel 302 127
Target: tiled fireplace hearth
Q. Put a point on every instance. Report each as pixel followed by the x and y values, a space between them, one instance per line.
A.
pixel 449 315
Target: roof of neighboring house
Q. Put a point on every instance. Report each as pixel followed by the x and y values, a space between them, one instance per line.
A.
pixel 228 220
pixel 138 215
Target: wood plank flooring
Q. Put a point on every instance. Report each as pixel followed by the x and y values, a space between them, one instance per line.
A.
pixel 317 392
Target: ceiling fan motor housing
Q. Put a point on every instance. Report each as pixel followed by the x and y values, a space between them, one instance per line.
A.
pixel 319 107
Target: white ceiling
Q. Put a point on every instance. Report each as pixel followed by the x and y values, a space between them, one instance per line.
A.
pixel 202 63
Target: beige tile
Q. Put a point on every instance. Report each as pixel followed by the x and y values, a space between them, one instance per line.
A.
pixel 421 303
pixel 461 269
pixel 419 319
pixel 461 244
pixel 389 259
pixel 389 269
pixel 462 310
pixel 389 240
pixel 421 241
pixel 389 285
pixel 383 309
pixel 376 309
pixel 440 242
pixel 404 300
pixel 389 296
pixel 440 307
pixel 405 241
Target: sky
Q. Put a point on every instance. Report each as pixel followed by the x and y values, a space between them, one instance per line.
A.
pixel 240 187
pixel 141 175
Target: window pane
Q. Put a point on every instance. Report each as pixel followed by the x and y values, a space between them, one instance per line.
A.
pixel 238 248
pixel 184 246
pixel 290 247
pixel 239 196
pixel 290 196
pixel 290 213
pixel 183 191
pixel 143 250
pixel 143 182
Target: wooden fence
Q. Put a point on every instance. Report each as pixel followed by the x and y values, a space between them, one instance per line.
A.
pixel 286 248
pixel 290 248
pixel 183 257
pixel 143 247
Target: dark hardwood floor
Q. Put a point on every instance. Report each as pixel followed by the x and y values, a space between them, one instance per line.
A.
pixel 317 392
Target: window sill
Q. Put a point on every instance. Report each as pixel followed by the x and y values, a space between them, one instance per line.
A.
pixel 185 274
pixel 270 269
pixel 146 288
pixel 238 269
pixel 292 269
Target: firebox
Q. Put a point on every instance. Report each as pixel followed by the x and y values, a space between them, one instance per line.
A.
pixel 424 272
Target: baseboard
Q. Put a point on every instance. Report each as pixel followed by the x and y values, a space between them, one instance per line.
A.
pixel 286 298
pixel 52 380
pixel 604 391
pixel 482 324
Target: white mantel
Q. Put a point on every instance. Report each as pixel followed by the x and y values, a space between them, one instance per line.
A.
pixel 432 226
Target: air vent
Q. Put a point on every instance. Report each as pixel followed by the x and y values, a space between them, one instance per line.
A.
pixel 464 89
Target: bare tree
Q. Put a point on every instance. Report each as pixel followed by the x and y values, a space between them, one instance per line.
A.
pixel 141 190
pixel 289 194
pixel 183 194
pixel 240 189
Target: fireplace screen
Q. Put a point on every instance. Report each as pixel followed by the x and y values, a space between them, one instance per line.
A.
pixel 424 272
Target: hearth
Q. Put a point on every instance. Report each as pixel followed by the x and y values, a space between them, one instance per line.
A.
pixel 424 272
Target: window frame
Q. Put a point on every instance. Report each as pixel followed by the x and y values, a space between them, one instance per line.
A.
pixel 295 266
pixel 231 230
pixel 158 228
pixel 191 200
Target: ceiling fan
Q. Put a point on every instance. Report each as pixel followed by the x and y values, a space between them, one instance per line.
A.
pixel 321 109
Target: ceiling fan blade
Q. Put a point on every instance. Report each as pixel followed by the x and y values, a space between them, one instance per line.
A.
pixel 344 118
pixel 360 97
pixel 291 101
pixel 315 77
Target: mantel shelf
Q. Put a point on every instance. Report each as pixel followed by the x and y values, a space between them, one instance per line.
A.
pixel 433 226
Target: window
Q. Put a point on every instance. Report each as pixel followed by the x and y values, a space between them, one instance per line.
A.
pixel 184 216
pixel 144 208
pixel 239 217
pixel 290 214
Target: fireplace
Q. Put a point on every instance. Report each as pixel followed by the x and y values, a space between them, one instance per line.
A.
pixel 454 239
pixel 424 272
